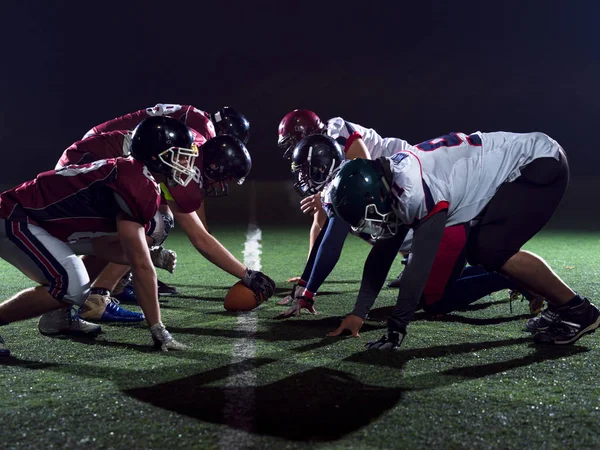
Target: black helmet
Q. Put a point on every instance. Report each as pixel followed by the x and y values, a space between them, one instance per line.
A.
pixel 165 146
pixel 229 121
pixel 314 161
pixel 224 158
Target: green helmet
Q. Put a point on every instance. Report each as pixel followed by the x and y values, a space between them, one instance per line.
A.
pixel 361 196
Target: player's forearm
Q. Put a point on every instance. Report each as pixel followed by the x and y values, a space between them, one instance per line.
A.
pixel 358 149
pixel 377 266
pixel 144 282
pixel 214 251
pixel 426 241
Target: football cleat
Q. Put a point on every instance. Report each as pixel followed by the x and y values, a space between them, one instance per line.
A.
pixel 127 295
pixel 296 292
pixel 66 321
pixel 164 290
pixel 4 351
pixel 573 323
pixel 390 341
pixel 163 258
pixel 542 322
pixel 123 282
pixel 104 308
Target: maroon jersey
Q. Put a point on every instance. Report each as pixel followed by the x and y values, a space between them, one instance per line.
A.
pixel 107 145
pixel 116 143
pixel 83 201
pixel 197 120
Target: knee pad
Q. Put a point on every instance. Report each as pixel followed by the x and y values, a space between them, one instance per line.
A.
pixel 159 228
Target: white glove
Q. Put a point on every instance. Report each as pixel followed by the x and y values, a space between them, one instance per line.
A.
pixel 164 340
pixel 163 258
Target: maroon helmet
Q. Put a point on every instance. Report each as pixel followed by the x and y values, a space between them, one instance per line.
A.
pixel 296 125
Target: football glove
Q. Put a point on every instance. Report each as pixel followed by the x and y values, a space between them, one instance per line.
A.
pixel 164 340
pixel 299 304
pixel 262 285
pixel 163 258
pixel 390 341
pixel 296 292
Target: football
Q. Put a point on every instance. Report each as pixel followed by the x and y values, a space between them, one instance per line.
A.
pixel 240 298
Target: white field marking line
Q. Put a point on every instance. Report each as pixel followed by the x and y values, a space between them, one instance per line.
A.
pixel 239 409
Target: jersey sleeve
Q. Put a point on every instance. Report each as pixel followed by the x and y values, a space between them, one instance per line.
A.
pixel 136 191
pixel 104 146
pixel 345 133
pixel 126 122
pixel 198 121
pixel 412 200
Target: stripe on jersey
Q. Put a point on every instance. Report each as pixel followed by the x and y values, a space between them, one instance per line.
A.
pixel 55 273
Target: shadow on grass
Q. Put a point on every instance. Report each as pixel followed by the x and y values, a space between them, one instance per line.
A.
pixel 398 359
pixel 320 404
pixel 277 330
pixel 381 315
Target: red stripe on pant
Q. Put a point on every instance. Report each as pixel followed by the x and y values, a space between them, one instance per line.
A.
pixel 16 229
pixel 448 254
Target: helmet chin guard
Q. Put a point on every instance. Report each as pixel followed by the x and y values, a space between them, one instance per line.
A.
pixel 379 226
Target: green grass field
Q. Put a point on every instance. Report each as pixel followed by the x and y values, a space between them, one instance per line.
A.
pixel 472 380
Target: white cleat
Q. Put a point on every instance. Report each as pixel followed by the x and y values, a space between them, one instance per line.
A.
pixel 163 258
pixel 66 321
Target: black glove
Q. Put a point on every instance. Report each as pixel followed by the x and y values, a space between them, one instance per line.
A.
pixel 391 341
pixel 261 284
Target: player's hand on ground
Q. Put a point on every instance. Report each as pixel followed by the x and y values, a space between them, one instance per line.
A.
pixel 262 285
pixel 311 204
pixel 351 323
pixel 390 341
pixel 293 280
pixel 299 304
pixel 164 340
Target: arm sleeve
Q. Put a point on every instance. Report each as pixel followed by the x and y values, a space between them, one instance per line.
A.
pixel 330 249
pixel 126 122
pixel 426 240
pixel 377 266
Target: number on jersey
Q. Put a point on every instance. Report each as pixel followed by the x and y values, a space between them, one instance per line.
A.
pixel 450 140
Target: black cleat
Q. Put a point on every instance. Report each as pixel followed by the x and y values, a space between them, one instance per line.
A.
pixel 573 323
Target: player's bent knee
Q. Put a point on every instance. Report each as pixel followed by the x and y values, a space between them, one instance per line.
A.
pixel 77 296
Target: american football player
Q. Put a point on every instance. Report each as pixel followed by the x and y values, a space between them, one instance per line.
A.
pixel 314 160
pixel 508 183
pixel 224 159
pixel 96 209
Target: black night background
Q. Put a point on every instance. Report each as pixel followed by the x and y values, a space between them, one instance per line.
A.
pixel 413 70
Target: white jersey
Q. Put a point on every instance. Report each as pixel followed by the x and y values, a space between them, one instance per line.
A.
pixel 341 130
pixel 461 172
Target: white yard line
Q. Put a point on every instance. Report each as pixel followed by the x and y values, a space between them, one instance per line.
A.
pixel 239 410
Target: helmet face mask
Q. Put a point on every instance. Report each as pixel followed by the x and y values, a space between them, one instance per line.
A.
pixel 311 180
pixel 181 161
pixel 216 189
pixel 315 160
pixel 379 226
pixel 361 196
pixel 166 147
pixel 225 158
